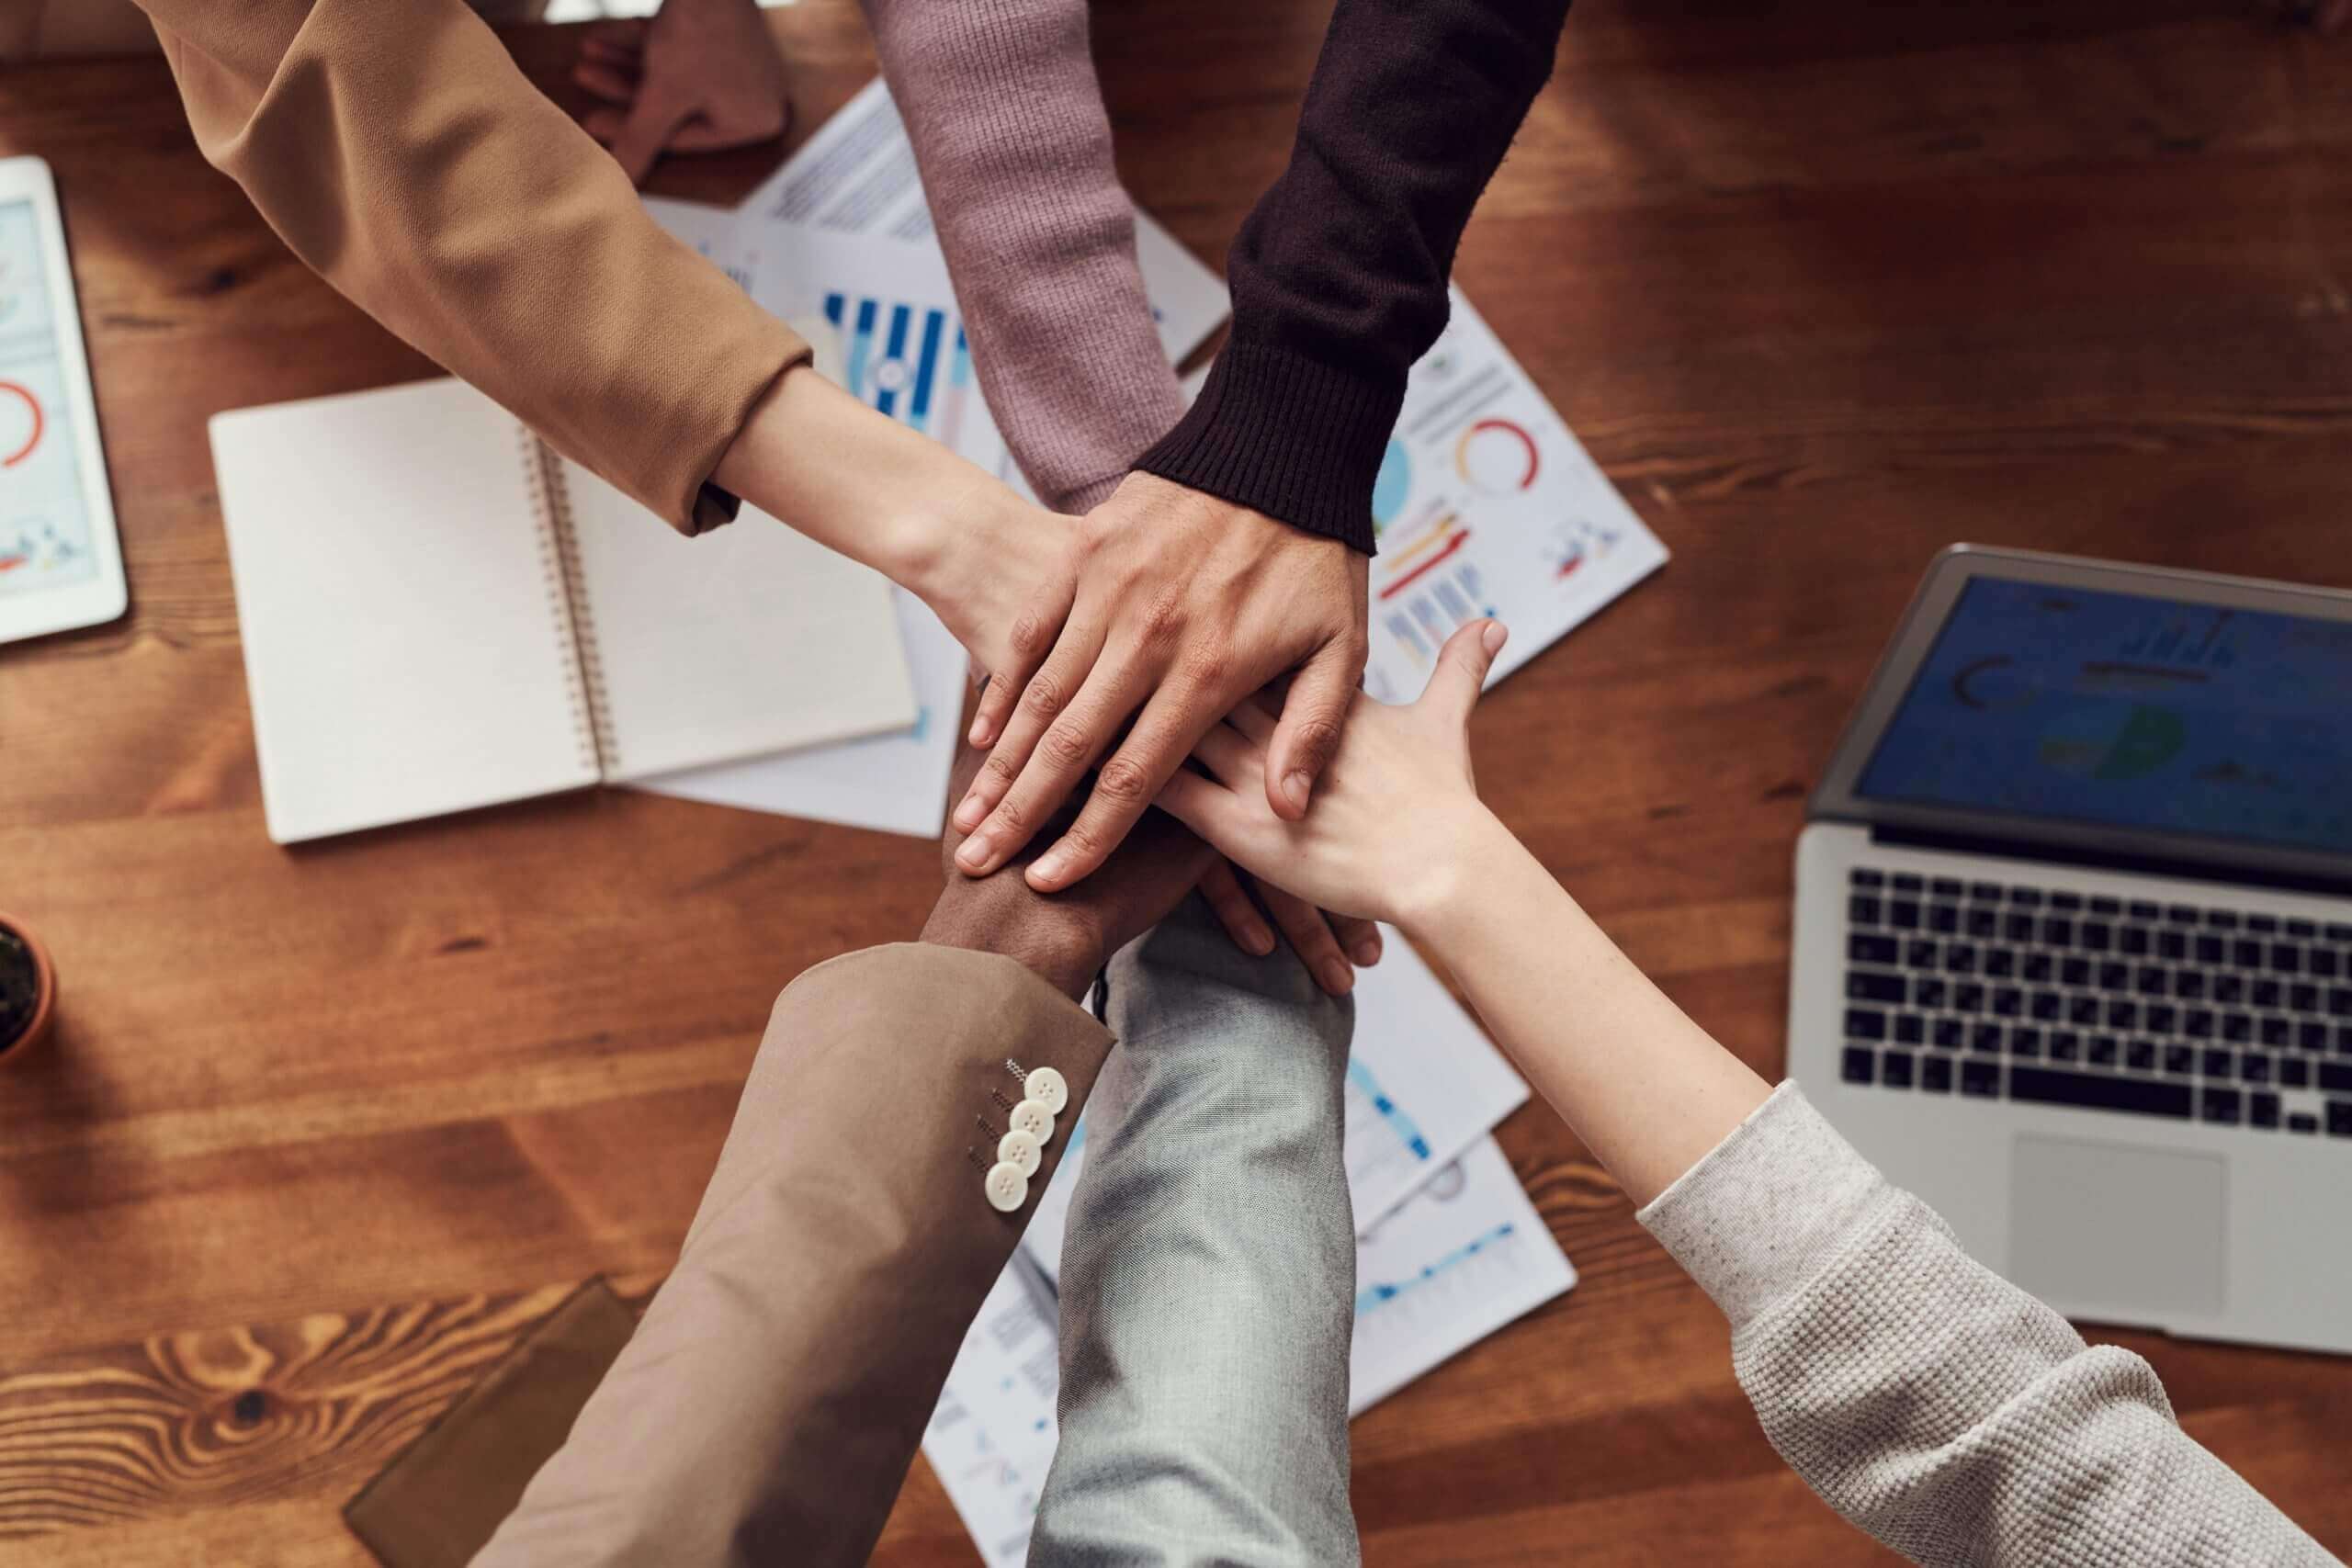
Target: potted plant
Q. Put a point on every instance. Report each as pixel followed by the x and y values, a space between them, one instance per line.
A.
pixel 27 988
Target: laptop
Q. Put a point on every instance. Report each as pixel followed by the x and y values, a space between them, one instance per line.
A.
pixel 2072 948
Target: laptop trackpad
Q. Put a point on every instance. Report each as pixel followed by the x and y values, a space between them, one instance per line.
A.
pixel 2136 1230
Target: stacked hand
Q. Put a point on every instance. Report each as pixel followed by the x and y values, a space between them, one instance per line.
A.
pixel 1169 607
pixel 1066 938
pixel 1395 805
pixel 1178 607
pixel 698 76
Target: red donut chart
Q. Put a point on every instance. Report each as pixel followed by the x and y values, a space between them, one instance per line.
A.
pixel 1502 427
pixel 40 423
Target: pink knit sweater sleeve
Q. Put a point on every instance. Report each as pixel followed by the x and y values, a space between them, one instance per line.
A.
pixel 1001 103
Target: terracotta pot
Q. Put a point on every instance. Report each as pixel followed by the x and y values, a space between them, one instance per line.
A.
pixel 20 1033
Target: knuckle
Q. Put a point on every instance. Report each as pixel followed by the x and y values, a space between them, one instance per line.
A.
pixel 1045 697
pixel 1065 745
pixel 1085 841
pixel 1317 738
pixel 1164 619
pixel 1031 635
pixel 1207 667
pixel 1012 816
pixel 1001 768
pixel 1123 782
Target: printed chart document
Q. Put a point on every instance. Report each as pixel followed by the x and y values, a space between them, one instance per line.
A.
pixel 856 175
pixel 1464 1255
pixel 1486 505
pixel 992 1435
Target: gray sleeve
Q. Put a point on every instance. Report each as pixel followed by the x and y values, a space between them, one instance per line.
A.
pixel 1930 1402
pixel 1208 1274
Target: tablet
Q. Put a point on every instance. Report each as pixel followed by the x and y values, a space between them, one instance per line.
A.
pixel 60 564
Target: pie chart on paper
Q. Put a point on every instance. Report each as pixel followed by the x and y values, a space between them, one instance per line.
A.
pixel 22 421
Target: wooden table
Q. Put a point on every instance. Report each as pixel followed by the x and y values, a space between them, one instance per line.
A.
pixel 322 1131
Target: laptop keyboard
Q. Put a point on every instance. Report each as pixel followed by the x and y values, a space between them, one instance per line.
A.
pixel 1990 991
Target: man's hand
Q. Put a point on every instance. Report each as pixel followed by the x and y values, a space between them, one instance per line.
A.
pixel 1066 938
pixel 698 76
pixel 1184 605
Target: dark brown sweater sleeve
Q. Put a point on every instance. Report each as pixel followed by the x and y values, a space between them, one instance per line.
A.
pixel 1339 276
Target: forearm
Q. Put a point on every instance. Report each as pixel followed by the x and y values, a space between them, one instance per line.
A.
pixel 769 1404
pixel 1005 114
pixel 1649 1090
pixel 400 152
pixel 816 459
pixel 1339 273
pixel 1930 1401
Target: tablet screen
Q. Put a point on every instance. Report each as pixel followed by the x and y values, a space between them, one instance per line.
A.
pixel 2129 711
pixel 44 516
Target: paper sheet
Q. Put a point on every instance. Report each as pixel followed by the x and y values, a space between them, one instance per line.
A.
pixel 1464 1255
pixel 992 1435
pixel 1463 1258
pixel 896 783
pixel 857 175
pixel 1486 505
pixel 1423 1085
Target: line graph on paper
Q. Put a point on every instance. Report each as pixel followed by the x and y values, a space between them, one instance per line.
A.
pixel 1381 1138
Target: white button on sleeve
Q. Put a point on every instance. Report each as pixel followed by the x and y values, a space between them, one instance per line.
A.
pixel 1048 1089
pixel 1019 1148
pixel 1006 1187
pixel 1035 1119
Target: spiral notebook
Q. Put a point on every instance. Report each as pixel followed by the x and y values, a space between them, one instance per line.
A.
pixel 439 612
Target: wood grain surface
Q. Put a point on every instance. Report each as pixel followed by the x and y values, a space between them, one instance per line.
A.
pixel 322 1132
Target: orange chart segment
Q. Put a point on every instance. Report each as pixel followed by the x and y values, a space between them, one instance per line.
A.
pixel 21 423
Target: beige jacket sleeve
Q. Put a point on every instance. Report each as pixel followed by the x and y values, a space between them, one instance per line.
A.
pixel 769 1406
pixel 400 152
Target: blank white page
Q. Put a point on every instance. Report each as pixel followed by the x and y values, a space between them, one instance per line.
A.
pixel 745 640
pixel 405 654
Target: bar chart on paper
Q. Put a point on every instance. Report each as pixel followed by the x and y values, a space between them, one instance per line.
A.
pixel 908 361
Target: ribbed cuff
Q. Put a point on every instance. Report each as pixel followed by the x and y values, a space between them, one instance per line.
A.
pixel 1765 1210
pixel 1285 436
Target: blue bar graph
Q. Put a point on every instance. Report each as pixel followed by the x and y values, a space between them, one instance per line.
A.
pixel 910 362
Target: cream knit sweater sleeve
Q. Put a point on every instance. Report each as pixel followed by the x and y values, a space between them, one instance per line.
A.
pixel 1935 1405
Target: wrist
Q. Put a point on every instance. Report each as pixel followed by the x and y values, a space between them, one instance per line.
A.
pixel 1057 951
pixel 820 461
pixel 1467 859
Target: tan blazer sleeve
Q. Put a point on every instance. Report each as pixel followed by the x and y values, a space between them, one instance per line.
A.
pixel 398 151
pixel 773 1398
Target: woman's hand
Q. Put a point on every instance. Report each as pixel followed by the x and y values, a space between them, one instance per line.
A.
pixel 816 459
pixel 1384 836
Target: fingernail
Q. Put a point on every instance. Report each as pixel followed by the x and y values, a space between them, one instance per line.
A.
pixel 1296 785
pixel 1050 867
pixel 1259 940
pixel 974 855
pixel 1338 978
pixel 968 814
pixel 1368 950
pixel 1493 637
pixel 980 731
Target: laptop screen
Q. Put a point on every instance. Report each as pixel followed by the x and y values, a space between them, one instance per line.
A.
pixel 2129 712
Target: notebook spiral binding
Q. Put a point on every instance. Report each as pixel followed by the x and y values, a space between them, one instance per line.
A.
pixel 567 592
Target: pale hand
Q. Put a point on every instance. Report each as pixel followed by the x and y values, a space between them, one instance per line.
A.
pixel 698 76
pixel 1180 607
pixel 1385 835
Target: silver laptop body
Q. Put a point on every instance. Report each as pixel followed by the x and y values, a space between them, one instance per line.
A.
pixel 2072 948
